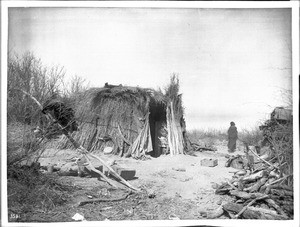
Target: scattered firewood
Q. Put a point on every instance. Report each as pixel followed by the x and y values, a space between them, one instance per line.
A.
pixel 237 162
pixel 253 212
pixel 241 173
pixel 284 187
pixel 256 155
pixel 223 189
pixel 282 193
pixel 271 203
pixel 240 194
pixel 249 204
pixel 197 147
pixel 236 208
pixel 286 202
pixel 257 185
pixel 231 185
pixel 245 195
pixel 267 214
pixel 255 176
pixel 261 187
pixel 214 214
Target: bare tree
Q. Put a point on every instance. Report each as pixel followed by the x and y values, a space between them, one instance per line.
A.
pixel 29 74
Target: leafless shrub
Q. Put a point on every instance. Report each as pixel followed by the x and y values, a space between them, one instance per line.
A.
pixel 23 145
pixel 29 74
pixel 76 86
pixel 28 189
pixel 251 136
pixel 282 144
pixel 209 137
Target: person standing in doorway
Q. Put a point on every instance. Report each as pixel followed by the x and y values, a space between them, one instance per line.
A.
pixel 232 137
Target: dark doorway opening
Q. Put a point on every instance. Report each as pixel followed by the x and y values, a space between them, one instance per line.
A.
pixel 157 121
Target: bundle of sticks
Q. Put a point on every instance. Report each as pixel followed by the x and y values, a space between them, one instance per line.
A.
pixel 262 193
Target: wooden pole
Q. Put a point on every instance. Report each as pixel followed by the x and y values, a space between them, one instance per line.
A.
pixel 81 148
pixel 114 172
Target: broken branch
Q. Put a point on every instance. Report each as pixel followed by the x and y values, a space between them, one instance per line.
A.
pixel 103 200
pixel 256 155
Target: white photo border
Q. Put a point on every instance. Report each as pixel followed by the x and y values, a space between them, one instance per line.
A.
pixel 294 5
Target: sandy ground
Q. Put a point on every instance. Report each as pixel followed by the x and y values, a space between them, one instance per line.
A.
pixel 179 180
pixel 167 176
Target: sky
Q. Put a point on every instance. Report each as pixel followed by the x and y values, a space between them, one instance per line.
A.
pixel 233 64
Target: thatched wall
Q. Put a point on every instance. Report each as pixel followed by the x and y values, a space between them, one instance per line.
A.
pixel 175 120
pixel 110 112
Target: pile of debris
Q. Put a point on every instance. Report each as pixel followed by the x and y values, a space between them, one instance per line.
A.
pixel 203 147
pixel 260 190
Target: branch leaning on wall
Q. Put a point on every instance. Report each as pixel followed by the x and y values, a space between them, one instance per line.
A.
pixel 82 150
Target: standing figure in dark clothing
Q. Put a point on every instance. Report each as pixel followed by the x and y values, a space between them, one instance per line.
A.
pixel 232 137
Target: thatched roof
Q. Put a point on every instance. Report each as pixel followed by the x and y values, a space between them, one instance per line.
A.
pixel 102 111
pixel 117 99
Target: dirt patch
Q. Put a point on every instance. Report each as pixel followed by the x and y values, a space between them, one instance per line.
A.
pixel 179 185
